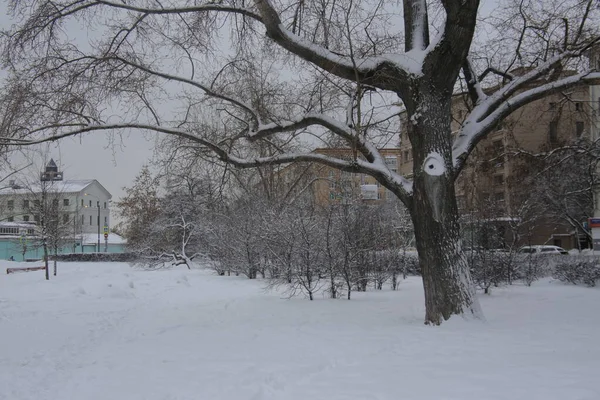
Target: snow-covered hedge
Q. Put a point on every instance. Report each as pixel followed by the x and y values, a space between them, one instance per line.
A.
pixel 109 257
pixel 493 268
pixel 578 270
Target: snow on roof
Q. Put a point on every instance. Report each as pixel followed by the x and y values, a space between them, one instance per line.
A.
pixel 69 186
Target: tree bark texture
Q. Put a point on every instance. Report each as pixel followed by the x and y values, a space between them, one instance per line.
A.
pixel 434 212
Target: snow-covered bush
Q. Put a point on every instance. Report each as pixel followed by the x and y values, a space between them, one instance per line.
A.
pixel 96 257
pixel 530 267
pixel 409 261
pixel 488 268
pixel 578 270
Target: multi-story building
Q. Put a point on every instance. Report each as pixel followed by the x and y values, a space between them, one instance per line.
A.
pixel 82 206
pixel 495 180
pixel 498 174
pixel 327 185
pixel 497 177
pixel 335 186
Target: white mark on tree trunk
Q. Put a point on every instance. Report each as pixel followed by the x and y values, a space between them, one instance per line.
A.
pixel 434 169
pixel 434 165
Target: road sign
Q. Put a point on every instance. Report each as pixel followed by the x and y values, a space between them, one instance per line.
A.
pixel 106 229
pixel 106 236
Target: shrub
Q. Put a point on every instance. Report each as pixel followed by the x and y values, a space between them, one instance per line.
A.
pixel 531 267
pixel 578 270
pixel 95 257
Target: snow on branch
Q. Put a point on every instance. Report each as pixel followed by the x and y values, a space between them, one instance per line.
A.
pixel 488 113
pixel 187 9
pixel 367 149
pixel 376 168
pixel 473 82
pixel 527 79
pixel 363 70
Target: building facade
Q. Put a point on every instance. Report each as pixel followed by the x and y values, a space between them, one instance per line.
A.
pixel 499 178
pixel 80 207
pixel 334 186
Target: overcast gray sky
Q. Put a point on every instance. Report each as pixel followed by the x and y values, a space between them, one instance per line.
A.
pixel 93 156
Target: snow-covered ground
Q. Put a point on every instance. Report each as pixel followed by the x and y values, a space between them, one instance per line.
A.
pixel 106 331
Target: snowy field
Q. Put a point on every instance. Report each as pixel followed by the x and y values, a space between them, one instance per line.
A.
pixel 106 331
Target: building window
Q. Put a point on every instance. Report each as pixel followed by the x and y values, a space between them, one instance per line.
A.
pixel 25 204
pixel 578 106
pixel 82 219
pixel 10 204
pixel 65 202
pixel 26 218
pixel 331 178
pixel 65 218
pixel 105 221
pixel 499 197
pixel 81 202
pixel 55 203
pixel 553 132
pixel 90 203
pixel 552 105
pixel 36 218
pixel 11 219
pixel 378 194
pixel 90 220
pixel 36 204
pixel 392 163
pixel 498 180
pixel 105 205
pixel 406 156
pixel 579 127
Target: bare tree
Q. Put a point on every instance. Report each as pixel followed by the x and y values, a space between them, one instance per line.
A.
pixel 331 68
pixel 54 225
pixel 140 207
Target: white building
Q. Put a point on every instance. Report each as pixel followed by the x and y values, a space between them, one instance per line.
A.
pixel 83 203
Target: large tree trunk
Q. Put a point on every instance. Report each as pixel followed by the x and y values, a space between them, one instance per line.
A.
pixel 446 278
pixel 445 271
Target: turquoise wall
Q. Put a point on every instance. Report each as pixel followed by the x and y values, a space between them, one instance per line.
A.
pixel 12 247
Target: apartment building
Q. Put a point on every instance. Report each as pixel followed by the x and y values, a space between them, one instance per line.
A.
pixel 495 181
pixel 335 186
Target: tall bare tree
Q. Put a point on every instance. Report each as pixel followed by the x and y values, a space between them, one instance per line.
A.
pixel 263 71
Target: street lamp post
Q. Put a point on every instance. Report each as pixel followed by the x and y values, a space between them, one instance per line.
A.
pixel 98 248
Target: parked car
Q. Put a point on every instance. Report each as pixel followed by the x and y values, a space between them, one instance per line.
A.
pixel 543 250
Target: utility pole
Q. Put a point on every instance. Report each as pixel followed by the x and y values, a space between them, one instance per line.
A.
pixel 98 204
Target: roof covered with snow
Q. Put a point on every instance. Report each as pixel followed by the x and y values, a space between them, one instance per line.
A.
pixel 68 186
